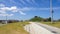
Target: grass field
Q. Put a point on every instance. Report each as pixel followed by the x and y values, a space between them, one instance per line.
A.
pixel 56 24
pixel 13 28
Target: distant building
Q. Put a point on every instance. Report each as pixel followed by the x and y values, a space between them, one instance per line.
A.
pixel 8 21
pixel 3 21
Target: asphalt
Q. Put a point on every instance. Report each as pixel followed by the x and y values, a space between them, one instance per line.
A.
pixel 50 28
pixel 34 28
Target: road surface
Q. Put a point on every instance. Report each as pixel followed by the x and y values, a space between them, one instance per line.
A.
pixel 34 28
pixel 50 28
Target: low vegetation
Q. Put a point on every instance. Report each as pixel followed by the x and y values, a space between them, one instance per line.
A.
pixel 55 24
pixel 47 21
pixel 13 28
pixel 39 19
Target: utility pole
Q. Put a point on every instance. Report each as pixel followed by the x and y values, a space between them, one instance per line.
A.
pixel 51 10
pixel 6 19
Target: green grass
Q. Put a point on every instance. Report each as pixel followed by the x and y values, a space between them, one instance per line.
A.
pixel 56 24
pixel 13 28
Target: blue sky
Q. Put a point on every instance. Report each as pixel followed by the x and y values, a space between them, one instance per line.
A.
pixel 26 9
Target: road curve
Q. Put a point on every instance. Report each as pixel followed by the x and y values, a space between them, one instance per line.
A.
pixel 50 28
pixel 33 28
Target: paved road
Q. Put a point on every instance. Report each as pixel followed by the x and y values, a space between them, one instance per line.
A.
pixel 50 28
pixel 33 28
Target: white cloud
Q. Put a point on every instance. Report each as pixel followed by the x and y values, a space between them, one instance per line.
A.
pixel 29 1
pixel 22 13
pixel 23 2
pixel 7 8
pixel 3 10
pixel 2 5
pixel 13 8
pixel 10 14
pixel 31 8
pixel 56 8
pixel 34 2
pixel 12 1
pixel 26 9
pixel 6 14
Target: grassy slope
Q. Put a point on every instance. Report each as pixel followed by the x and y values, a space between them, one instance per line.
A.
pixel 13 28
pixel 56 24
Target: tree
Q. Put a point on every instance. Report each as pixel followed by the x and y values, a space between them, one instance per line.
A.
pixel 49 19
pixel 36 18
pixel 58 20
